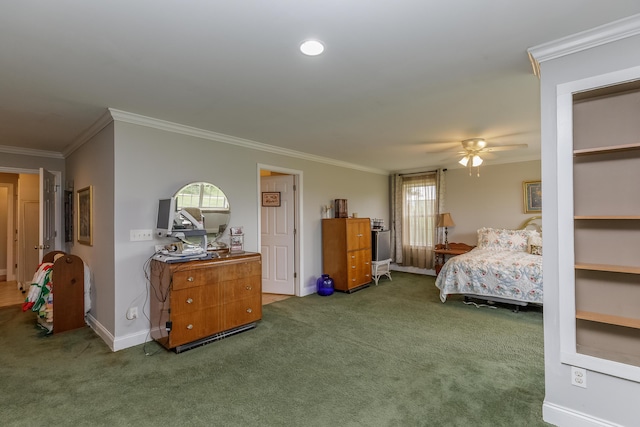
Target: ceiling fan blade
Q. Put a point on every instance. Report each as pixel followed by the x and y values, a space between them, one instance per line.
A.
pixel 441 147
pixel 495 148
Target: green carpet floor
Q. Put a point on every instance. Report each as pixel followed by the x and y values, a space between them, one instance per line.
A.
pixel 387 355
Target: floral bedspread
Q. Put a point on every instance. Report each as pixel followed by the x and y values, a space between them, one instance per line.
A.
pixel 513 275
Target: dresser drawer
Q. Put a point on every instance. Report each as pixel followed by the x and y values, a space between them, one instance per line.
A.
pixel 194 299
pixel 195 277
pixel 243 311
pixel 247 287
pixel 240 270
pixel 189 327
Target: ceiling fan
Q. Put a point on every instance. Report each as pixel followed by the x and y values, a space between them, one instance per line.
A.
pixel 474 147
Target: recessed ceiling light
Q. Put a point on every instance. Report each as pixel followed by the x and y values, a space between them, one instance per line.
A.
pixel 311 47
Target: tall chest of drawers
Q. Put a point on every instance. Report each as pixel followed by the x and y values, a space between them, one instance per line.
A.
pixel 346 252
pixel 196 302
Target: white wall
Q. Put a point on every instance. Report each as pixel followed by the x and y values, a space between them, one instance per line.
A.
pixel 494 199
pixel 150 164
pixel 607 400
pixel 92 164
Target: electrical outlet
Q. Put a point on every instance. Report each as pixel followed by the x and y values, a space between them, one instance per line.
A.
pixel 132 313
pixel 579 377
pixel 140 235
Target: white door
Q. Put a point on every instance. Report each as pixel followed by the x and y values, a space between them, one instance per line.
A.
pixel 47 213
pixel 30 234
pixel 278 237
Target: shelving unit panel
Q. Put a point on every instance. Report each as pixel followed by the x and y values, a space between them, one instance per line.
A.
pixel 608 268
pixel 604 150
pixel 617 120
pixel 605 184
pixel 614 243
pixel 598 292
pixel 616 343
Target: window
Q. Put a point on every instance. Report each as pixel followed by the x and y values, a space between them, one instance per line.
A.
pixel 202 195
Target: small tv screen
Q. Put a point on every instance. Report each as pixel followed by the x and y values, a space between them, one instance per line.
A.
pixel 166 213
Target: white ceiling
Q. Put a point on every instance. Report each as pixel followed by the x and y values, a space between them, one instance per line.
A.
pixel 398 78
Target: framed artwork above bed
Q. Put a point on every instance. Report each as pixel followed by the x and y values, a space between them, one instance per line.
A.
pixel 532 191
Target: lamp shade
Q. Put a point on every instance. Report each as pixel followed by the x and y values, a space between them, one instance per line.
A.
pixel 445 220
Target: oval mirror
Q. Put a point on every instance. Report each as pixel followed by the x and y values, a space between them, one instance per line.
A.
pixel 208 201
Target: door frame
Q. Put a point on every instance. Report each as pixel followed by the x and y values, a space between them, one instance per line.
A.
pixel 298 237
pixel 11 239
pixel 58 209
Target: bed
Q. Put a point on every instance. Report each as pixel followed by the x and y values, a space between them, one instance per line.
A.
pixel 505 267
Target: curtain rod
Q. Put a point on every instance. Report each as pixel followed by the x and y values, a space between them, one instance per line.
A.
pixel 419 173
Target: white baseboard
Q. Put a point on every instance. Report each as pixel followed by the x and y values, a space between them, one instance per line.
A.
pixel 120 343
pixel 566 417
pixel 416 270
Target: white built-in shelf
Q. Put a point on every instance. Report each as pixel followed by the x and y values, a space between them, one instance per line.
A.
pixel 608 319
pixel 608 268
pixel 605 150
pixel 611 217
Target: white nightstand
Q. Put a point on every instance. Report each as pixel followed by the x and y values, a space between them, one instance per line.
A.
pixel 379 269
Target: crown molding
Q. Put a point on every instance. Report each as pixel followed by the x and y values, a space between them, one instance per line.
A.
pixel 89 133
pixel 137 119
pixel 30 152
pixel 607 33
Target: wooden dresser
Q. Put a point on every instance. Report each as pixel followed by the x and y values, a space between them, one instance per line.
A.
pixel 195 302
pixel 346 252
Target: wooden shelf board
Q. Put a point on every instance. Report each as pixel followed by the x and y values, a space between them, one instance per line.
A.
pixel 604 150
pixel 607 217
pixel 609 268
pixel 608 319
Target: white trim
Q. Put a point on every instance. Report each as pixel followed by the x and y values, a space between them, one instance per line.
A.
pixel 299 289
pixel 137 119
pixel 607 33
pixel 563 416
pixel 11 231
pixel 566 256
pixel 89 133
pixel 120 343
pixel 30 152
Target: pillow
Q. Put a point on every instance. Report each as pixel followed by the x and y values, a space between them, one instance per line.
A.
pixel 504 240
pixel 535 244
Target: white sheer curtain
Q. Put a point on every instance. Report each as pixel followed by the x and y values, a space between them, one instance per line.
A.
pixel 415 201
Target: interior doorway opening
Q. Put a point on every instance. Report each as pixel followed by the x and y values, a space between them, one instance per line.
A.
pixel 279 217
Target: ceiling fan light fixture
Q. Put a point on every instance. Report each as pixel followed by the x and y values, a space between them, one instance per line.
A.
pixel 476 161
pixel 464 161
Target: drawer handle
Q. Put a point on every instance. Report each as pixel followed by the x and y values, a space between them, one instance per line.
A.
pixel 249 310
pixel 353 256
pixel 248 287
pixel 189 326
pixel 189 300
pixel 353 266
pixel 190 279
pixel 359 235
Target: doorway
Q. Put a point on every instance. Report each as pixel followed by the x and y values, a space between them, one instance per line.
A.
pixel 278 226
pixel 25 206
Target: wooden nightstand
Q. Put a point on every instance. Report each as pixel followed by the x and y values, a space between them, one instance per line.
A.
pixel 454 249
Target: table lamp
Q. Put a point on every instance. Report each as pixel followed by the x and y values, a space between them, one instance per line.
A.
pixel 445 220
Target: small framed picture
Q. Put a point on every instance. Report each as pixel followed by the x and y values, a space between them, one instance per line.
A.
pixel 270 199
pixel 236 231
pixel 532 196
pixel 85 215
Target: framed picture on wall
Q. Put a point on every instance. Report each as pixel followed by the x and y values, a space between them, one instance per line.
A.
pixel 532 196
pixel 85 215
pixel 271 198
